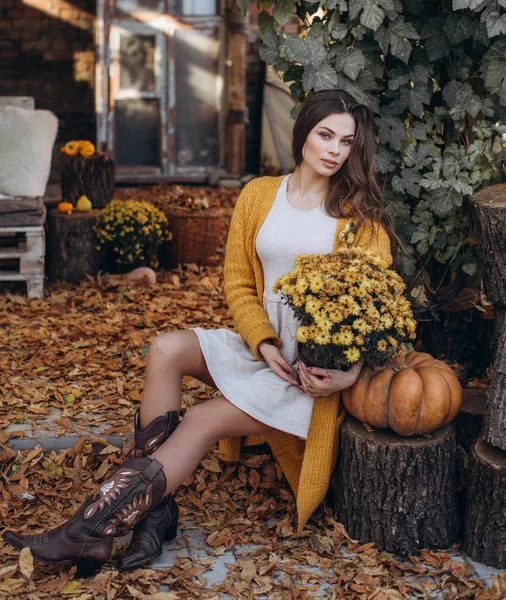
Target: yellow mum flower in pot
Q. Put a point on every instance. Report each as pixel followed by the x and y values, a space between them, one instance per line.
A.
pixel 131 234
pixel 366 318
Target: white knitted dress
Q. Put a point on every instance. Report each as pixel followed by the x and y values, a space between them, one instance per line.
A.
pixel 246 382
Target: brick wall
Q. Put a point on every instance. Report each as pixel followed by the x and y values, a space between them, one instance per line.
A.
pixel 47 51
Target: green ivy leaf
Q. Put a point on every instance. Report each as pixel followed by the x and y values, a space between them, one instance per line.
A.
pixel 475 5
pixel 419 130
pixel 304 51
pixel 265 23
pixel 331 4
pixel 384 161
pixel 432 181
pixel 243 5
pixel 269 48
pixel 460 95
pixel 319 78
pixel 372 11
pixel 339 31
pixel 396 78
pixel 283 11
pixel 458 27
pixel 444 200
pixel 408 182
pixel 392 131
pixel 496 24
pixel 395 36
pixel 349 60
pixel 437 45
pixel 494 69
pixel 469 268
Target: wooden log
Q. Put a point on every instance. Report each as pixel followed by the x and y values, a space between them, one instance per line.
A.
pixel 92 177
pixel 490 224
pixel 237 42
pixel 72 252
pixel 469 427
pixel 398 492
pixel 485 531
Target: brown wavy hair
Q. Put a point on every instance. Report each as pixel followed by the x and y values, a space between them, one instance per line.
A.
pixel 353 191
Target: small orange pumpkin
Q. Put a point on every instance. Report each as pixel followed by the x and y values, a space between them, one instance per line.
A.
pixel 417 395
pixel 71 148
pixel 66 207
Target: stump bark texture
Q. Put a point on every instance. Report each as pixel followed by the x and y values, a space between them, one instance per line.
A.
pixel 72 252
pixel 399 492
pixel 92 177
pixel 485 529
pixel 490 224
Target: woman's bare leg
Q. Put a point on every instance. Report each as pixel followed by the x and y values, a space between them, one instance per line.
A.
pixel 171 355
pixel 202 426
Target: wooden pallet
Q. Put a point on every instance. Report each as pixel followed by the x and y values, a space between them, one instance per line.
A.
pixel 22 251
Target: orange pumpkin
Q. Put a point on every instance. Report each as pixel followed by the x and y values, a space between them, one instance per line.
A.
pixel 417 395
pixel 65 207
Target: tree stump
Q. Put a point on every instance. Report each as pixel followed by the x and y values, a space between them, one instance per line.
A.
pixel 92 177
pixel 490 224
pixel 72 246
pixel 485 529
pixel 469 426
pixel 399 492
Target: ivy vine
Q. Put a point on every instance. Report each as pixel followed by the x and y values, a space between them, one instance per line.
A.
pixel 434 74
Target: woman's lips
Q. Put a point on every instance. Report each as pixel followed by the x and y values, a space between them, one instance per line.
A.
pixel 329 164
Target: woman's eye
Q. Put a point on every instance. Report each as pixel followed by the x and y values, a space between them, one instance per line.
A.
pixel 325 136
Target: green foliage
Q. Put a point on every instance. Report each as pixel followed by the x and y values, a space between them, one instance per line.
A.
pixel 434 74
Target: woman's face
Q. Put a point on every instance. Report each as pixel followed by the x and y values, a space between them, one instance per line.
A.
pixel 329 143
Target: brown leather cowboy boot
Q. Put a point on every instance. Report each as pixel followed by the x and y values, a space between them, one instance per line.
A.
pixel 160 523
pixel 150 438
pixel 131 491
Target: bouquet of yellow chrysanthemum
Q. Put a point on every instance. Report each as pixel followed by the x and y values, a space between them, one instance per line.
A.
pixel 351 308
pixel 132 232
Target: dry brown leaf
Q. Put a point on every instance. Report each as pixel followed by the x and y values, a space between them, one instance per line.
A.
pixel 26 562
pixel 110 450
pixel 249 571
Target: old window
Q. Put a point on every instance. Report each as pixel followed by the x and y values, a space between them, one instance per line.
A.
pixel 160 87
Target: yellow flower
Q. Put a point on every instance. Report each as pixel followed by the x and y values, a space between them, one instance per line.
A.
pixel 343 338
pixel 392 341
pixel 322 338
pixel 302 334
pixel 362 326
pixel 382 345
pixel 315 283
pixel 352 354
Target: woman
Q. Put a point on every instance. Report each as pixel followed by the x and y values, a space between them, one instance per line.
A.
pixel 255 369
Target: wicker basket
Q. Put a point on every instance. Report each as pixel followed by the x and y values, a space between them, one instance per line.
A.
pixel 195 237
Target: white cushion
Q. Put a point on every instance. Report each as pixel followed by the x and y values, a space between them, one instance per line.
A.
pixel 26 145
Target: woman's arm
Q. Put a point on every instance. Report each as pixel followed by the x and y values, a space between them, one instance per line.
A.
pixel 250 318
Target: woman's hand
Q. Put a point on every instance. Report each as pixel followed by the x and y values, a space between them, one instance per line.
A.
pixel 277 363
pixel 324 382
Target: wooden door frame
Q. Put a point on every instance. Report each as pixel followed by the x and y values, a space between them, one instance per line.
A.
pixel 232 111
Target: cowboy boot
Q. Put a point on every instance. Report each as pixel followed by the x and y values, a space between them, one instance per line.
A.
pixel 160 523
pixel 150 438
pixel 122 500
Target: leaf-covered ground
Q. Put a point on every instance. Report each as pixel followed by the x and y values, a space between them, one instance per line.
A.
pixel 82 350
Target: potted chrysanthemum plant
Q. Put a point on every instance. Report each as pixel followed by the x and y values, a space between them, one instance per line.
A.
pixel 351 308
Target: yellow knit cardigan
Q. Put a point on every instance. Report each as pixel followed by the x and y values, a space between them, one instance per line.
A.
pixel 307 464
